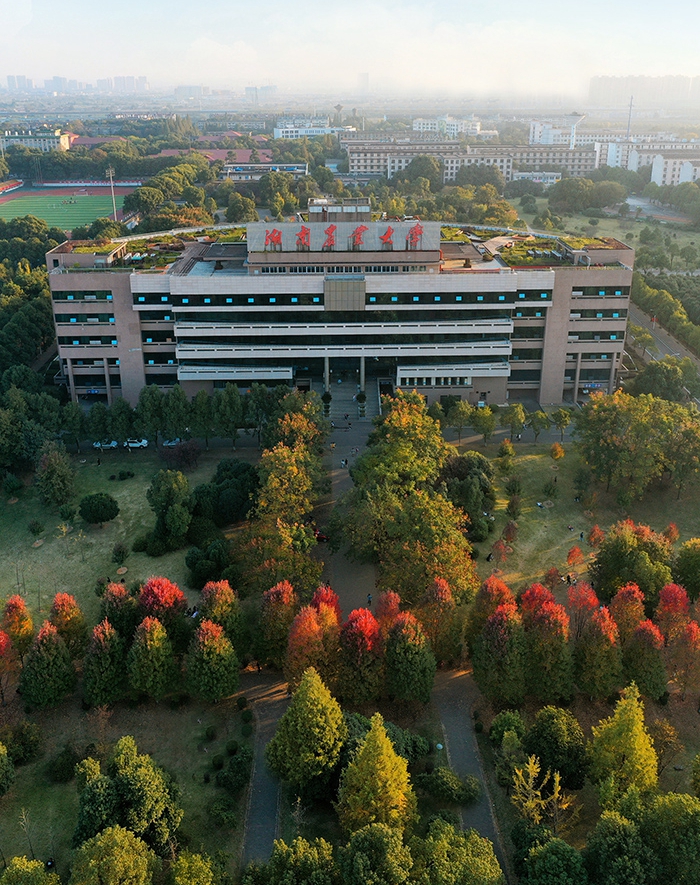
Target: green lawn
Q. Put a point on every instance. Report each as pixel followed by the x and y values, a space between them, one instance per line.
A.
pixel 57 211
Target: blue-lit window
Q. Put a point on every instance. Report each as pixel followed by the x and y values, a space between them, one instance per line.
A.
pixel 70 298
pixel 151 362
pixel 416 297
pixel 142 297
pixel 479 297
pixel 110 297
pixel 251 301
pixel 616 315
pixel 111 319
pixel 394 298
pixel 272 300
pixel 501 297
pixel 207 300
pixel 163 297
pixel 601 291
pixel 229 301
pixel 114 340
pixel 295 300
pixel 171 362
pixel 185 300
pixel 521 295
pixel 372 298
pixel 117 363
pixel 518 313
pixel 613 337
pixel 599 316
pixel 437 298
pixel 317 300
pixel 618 291
pixel 73 320
pixel 77 341
pixel 167 316
pixel 149 341
pixel 458 298
pixel 543 295
pixel 538 313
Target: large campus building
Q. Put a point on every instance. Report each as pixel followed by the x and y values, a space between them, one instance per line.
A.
pixel 376 302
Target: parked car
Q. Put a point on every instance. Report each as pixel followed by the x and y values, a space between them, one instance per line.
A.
pixel 105 444
pixel 136 444
pixel 171 443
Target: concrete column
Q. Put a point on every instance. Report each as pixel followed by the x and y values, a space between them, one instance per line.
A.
pixel 71 381
pixel 108 386
pixel 326 374
pixel 362 374
pixel 613 373
pixel 577 374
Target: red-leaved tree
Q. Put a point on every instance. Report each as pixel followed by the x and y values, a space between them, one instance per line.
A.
pixel 409 661
pixel 121 609
pixel 596 536
pixel 597 657
pixel 627 608
pixel 575 557
pixel 549 667
pixel 533 599
pixel 673 611
pixel 671 533
pixel 436 613
pixel 104 666
pixel 70 623
pixel 279 605
pixel 17 623
pixel 9 665
pixel 313 642
pixel 643 662
pixel 360 677
pixel 162 599
pixel 211 665
pixel 325 595
pixel 552 578
pixel 499 656
pixel 388 608
pixel 220 605
pixel 582 603
pixel 492 593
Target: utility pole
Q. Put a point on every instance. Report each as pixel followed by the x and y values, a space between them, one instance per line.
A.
pixel 110 172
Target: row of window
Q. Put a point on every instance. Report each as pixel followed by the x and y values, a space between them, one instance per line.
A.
pixel 84 340
pixel 601 292
pixel 598 314
pixel 236 300
pixel 361 338
pixel 527 354
pixel 597 336
pixel 453 298
pixel 442 381
pixel 85 318
pixel 80 295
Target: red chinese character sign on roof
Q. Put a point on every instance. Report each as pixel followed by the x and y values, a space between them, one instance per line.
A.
pixel 386 238
pixel 413 238
pixel 303 238
pixel 329 242
pixel 357 235
pixel 273 238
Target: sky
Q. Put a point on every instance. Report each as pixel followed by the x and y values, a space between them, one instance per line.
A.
pixel 451 47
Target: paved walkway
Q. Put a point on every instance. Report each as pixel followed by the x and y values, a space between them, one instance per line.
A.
pixel 454 696
pixel 267 694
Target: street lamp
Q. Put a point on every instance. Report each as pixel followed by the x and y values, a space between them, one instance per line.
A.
pixel 110 172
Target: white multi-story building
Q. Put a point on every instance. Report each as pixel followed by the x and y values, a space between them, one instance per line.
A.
pixel 41 140
pixel 449 126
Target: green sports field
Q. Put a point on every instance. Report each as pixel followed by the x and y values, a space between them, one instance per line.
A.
pixel 56 208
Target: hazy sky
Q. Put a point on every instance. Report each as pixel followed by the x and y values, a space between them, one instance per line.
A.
pixel 451 46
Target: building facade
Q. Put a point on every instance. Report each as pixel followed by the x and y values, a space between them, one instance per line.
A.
pixel 300 303
pixel 41 140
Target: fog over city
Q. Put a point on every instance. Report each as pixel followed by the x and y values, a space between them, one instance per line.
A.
pixel 405 47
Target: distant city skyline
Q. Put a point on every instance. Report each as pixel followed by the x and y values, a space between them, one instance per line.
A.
pixel 400 46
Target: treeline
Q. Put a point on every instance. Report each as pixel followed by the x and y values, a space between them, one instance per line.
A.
pixel 398 512
pixel 684 197
pixel 632 442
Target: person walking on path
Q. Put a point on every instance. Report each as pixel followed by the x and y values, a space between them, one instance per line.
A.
pixel 369 600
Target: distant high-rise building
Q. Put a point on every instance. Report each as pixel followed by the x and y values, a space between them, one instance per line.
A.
pixel 11 83
pixel 105 85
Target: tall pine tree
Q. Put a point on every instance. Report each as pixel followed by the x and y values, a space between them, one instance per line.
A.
pixel 104 666
pixel 211 665
pixel 48 674
pixel 151 663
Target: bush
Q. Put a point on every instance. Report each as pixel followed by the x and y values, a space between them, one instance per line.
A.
pixel 247 729
pixel 156 546
pixel 119 553
pixel 101 586
pixel 247 716
pixel 217 763
pixel 478 727
pixel 514 486
pixel 551 489
pixel 61 768
pixel 140 543
pixel 450 817
pixel 12 484
pixel 445 785
pixel 125 474
pixel 210 733
pixel 24 742
pixel 67 512
pixel 223 813
pixel 507 720
pixel 232 748
pixel 241 702
pixel 237 773
pixel 36 527
pixel 202 531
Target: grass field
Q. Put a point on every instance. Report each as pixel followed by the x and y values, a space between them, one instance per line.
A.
pixel 54 206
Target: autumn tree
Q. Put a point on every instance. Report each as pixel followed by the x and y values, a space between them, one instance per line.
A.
pixel 104 666
pixel 642 660
pixel 375 787
pixel 548 659
pixel 325 595
pixel 299 862
pixel 314 638
pixel 499 656
pixel 387 610
pixel 211 665
pixel 162 599
pixel 627 610
pixel 582 603
pixel 309 737
pixel 7 770
pixel 9 665
pixel 360 677
pixel 151 663
pixel 48 674
pixel 597 657
pixel 121 609
pixel 684 658
pixel 686 567
pixel 22 871
pixel 192 869
pixel 492 593
pixel 70 623
pixel 279 605
pixel 437 614
pixel 18 624
pixel 449 856
pixel 409 661
pixel 575 558
pixel 622 752
pixel 673 611
pixel 220 604
pixel 596 536
pixel 376 853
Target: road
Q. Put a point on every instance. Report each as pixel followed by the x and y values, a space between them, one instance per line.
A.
pixel 667 345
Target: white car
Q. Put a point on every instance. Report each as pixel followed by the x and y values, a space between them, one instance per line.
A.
pixel 106 444
pixel 171 443
pixel 136 444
